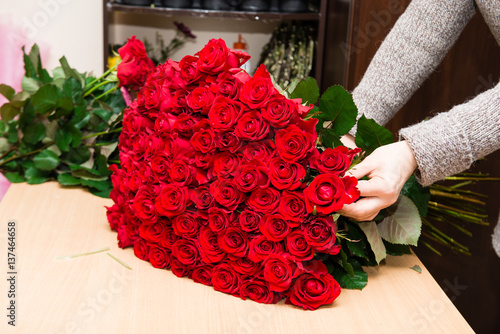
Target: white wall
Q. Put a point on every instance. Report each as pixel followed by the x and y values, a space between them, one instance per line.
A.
pixel 60 27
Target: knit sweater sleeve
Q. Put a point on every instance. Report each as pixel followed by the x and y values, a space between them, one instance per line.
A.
pixel 411 51
pixel 451 141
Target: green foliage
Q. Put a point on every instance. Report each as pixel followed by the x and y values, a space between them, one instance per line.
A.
pixel 307 90
pixel 370 135
pixel 419 195
pixel 55 128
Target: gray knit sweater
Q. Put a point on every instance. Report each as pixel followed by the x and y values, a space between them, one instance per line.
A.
pixel 451 141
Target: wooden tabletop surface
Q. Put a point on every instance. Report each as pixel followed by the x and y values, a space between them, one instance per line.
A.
pixel 95 294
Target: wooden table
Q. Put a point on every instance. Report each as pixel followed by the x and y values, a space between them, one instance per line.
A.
pixel 95 294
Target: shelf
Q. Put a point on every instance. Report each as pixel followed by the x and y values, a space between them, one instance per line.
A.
pixel 257 16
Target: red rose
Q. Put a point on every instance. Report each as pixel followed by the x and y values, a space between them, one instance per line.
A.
pixel 141 249
pixel 113 214
pixel 326 193
pixel 178 268
pixel 229 85
pixel 172 200
pixel 202 274
pixel 159 165
pixel 135 65
pixel 257 91
pixel 252 126
pixel 203 198
pixel 247 267
pixel 184 125
pixel 262 150
pixel 274 227
pixel 124 240
pixel 209 246
pixel 280 111
pixel 218 218
pixel 298 247
pixel 144 205
pixel 257 290
pixel 227 194
pixel 182 172
pixel 228 141
pixel 295 142
pixel 249 220
pixel 225 164
pixel 252 175
pixel 203 140
pixel 200 100
pixel 186 224
pixel 351 191
pixel 225 112
pixel 278 272
pixel 334 160
pixel 319 232
pixel 186 252
pixel 264 200
pixel 286 175
pixel 225 279
pixel 312 290
pixel 168 238
pixel 159 257
pixel 151 232
pixel 233 241
pixel 133 48
pixel 261 248
pixel 292 207
pixel 189 69
pixel 215 57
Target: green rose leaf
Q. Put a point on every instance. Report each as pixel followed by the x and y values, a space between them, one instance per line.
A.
pixel 78 155
pixel 46 160
pixel 66 179
pixel 396 250
pixel 370 135
pixel 31 61
pixel 7 91
pixel 73 88
pixel 307 90
pixel 33 133
pixel 63 139
pixel 35 176
pixel 14 177
pixel 30 85
pixel 9 111
pixel 419 195
pixel 337 106
pixel 346 281
pixel 47 98
pixel 12 132
pixel 403 223
pixel 373 236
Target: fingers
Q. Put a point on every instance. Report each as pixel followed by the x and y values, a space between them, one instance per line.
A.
pixel 364 209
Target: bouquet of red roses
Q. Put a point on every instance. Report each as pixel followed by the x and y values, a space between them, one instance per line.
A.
pixel 227 180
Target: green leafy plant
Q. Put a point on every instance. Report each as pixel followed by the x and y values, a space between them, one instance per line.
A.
pixel 63 126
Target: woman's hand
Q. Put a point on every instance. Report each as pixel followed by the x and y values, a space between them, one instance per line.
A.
pixel 387 168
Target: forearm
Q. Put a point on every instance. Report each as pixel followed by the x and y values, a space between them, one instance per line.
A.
pixel 415 46
pixel 450 142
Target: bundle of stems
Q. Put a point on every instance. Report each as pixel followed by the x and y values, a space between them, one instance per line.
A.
pixel 456 207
